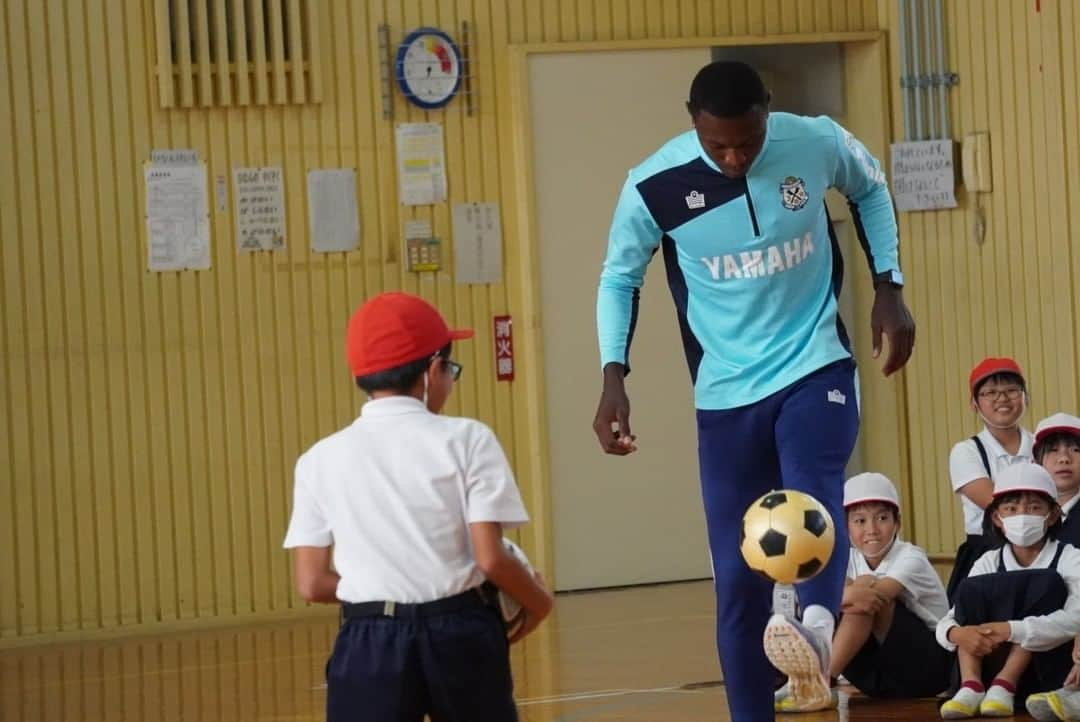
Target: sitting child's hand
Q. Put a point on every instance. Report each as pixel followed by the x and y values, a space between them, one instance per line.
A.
pixel 974 639
pixel 1072 681
pixel 862 600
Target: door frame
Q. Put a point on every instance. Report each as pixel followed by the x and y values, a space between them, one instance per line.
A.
pixel 884 434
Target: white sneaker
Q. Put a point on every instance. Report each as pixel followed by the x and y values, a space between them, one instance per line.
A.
pixel 965 704
pixel 998 702
pixel 1039 707
pixel 1066 703
pixel 800 654
pixel 784 702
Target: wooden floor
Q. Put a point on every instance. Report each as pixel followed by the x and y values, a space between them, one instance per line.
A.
pixel 636 655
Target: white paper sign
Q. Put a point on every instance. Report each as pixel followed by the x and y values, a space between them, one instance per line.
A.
pixel 260 208
pixel 177 217
pixel 332 213
pixel 477 243
pixel 923 177
pixel 421 163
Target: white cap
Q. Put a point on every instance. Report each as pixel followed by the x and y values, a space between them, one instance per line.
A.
pixel 1056 423
pixel 870 486
pixel 1024 476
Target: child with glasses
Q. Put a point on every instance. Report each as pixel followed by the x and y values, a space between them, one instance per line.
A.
pixel 999 397
pixel 412 506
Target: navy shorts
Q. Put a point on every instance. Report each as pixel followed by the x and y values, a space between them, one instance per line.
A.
pixel 453 666
pixel 909 662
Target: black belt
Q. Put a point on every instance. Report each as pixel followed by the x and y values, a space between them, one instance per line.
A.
pixel 466 600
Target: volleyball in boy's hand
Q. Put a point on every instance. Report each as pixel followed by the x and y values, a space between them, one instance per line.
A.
pixel 787 536
pixel 513 614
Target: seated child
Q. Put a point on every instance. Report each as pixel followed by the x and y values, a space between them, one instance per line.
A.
pixel 999 397
pixel 1057 448
pixel 893 599
pixel 1015 614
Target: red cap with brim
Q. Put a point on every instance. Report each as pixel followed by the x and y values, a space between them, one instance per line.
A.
pixel 393 329
pixel 989 367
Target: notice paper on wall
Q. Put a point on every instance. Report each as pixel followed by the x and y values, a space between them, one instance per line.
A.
pixel 923 177
pixel 260 208
pixel 332 213
pixel 477 243
pixel 177 217
pixel 421 163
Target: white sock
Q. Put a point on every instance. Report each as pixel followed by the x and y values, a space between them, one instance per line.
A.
pixel 821 620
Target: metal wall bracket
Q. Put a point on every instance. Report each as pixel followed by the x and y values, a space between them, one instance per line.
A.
pixel 465 46
pixel 386 72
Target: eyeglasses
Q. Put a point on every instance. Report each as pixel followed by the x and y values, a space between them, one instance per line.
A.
pixel 1009 392
pixel 454 366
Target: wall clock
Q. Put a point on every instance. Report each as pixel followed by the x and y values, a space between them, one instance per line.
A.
pixel 428 68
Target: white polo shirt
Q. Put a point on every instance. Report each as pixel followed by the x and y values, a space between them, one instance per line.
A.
pixel 394 494
pixel 965 466
pixel 1036 634
pixel 908 564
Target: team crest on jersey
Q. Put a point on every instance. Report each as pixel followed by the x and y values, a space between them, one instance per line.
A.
pixel 793 193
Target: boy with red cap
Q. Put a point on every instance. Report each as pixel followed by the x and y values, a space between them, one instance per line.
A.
pixel 999 397
pixel 412 506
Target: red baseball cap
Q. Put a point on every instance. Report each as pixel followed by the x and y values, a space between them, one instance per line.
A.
pixel 394 328
pixel 990 366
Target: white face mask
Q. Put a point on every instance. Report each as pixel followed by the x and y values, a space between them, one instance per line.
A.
pixel 1024 530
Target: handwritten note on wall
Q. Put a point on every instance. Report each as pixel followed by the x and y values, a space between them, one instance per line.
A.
pixel 260 209
pixel 923 177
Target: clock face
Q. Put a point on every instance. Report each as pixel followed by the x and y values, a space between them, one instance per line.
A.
pixel 429 68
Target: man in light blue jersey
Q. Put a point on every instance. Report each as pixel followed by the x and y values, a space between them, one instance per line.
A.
pixel 738 206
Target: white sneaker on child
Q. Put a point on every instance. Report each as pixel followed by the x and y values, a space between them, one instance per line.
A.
pixel 964 704
pixel 799 653
pixel 1039 706
pixel 1066 703
pixel 998 702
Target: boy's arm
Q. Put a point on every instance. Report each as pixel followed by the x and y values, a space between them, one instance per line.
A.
pixel 509 575
pixel 315 580
pixel 311 539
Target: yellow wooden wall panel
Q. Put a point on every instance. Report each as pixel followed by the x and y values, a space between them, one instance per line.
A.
pixel 151 420
pixel 9 285
pixel 1001 296
pixel 1069 17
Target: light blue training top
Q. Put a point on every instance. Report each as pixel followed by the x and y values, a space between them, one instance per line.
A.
pixel 752 263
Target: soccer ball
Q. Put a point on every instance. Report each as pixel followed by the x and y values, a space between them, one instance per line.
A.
pixel 787 536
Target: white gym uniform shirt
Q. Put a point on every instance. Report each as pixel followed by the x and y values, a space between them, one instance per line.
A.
pixel 908 564
pixel 965 466
pixel 1036 634
pixel 394 494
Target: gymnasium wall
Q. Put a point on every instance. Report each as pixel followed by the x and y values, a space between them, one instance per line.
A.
pixel 1016 292
pixel 150 421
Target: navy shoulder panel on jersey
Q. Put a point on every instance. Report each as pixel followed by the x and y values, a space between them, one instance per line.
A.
pixel 678 194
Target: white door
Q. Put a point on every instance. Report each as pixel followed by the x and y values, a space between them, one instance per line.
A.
pixel 617 520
